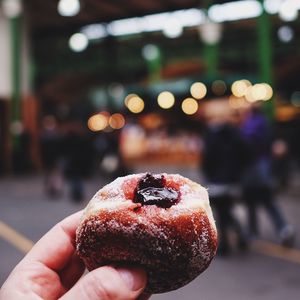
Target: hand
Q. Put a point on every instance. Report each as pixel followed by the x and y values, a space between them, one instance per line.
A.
pixel 52 270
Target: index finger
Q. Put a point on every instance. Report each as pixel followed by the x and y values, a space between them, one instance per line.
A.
pixel 57 246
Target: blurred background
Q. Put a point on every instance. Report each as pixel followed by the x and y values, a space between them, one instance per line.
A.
pixel 95 89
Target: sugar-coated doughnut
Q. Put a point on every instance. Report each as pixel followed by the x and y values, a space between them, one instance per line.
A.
pixel 162 223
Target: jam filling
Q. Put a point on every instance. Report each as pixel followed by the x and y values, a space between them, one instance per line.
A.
pixel 152 190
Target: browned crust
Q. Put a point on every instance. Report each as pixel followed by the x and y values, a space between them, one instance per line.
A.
pixel 173 251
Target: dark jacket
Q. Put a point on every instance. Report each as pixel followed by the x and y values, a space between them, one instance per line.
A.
pixel 225 154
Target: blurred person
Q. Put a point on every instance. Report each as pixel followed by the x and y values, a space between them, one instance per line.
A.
pixel 77 150
pixel 296 140
pixel 100 146
pixel 223 160
pixel 113 163
pixel 21 149
pixel 51 156
pixel 52 270
pixel 281 162
pixel 257 182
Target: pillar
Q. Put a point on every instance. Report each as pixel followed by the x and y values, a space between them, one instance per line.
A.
pixel 211 58
pixel 15 33
pixel 211 44
pixel 14 76
pixel 264 39
pixel 152 56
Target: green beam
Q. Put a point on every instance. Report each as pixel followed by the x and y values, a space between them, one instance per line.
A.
pixel 211 53
pixel 211 57
pixel 265 56
pixel 154 66
pixel 15 33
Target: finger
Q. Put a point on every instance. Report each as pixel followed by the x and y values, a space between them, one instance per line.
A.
pixel 57 246
pixel 107 283
pixel 72 272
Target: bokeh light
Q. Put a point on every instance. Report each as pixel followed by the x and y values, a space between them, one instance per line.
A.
pixel 189 106
pixel 165 100
pixel 78 42
pixel 248 95
pixel 116 90
pixel 128 97
pixel 172 28
pixel 98 122
pixel 116 121
pixel 218 87
pixel 150 52
pixel 16 127
pixel 239 87
pixel 198 90
pixel 11 8
pixel 288 11
pixel 295 99
pixel 68 8
pixel 269 92
pixel 259 92
pixel 136 104
pixel 285 34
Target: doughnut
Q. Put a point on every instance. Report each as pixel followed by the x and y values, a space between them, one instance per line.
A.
pixel 160 222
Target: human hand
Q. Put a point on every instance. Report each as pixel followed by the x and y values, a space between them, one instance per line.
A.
pixel 52 270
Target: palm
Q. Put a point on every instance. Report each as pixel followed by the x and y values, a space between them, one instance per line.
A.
pixel 51 268
pixel 46 286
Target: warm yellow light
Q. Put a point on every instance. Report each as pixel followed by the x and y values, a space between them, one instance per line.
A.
pixel 239 87
pixel 189 106
pixel 269 92
pixel 98 122
pixel 128 97
pixel 198 90
pixel 116 121
pixel 135 104
pixel 259 91
pixel 249 95
pixel 247 82
pixel 165 100
pixel 218 87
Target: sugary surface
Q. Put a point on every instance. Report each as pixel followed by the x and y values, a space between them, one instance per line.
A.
pixel 174 245
pixel 116 194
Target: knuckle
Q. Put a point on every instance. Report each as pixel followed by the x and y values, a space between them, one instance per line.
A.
pixel 98 287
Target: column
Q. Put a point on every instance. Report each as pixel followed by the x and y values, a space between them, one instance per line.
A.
pixel 152 56
pixel 264 32
pixel 15 33
pixel 211 58
pixel 14 78
pixel 210 34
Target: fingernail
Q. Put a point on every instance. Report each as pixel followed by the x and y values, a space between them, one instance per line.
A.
pixel 135 279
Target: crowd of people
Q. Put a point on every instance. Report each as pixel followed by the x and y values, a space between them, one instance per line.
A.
pixel 70 153
pixel 240 157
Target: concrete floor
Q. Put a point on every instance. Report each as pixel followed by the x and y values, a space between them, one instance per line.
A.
pixel 262 273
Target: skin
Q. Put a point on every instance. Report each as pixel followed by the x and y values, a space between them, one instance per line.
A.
pixel 52 270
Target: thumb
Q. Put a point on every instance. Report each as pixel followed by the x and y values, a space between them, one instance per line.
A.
pixel 107 283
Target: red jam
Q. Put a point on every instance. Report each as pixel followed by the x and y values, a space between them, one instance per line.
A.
pixel 152 190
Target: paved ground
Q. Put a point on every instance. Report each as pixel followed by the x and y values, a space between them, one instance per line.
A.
pixel 267 272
